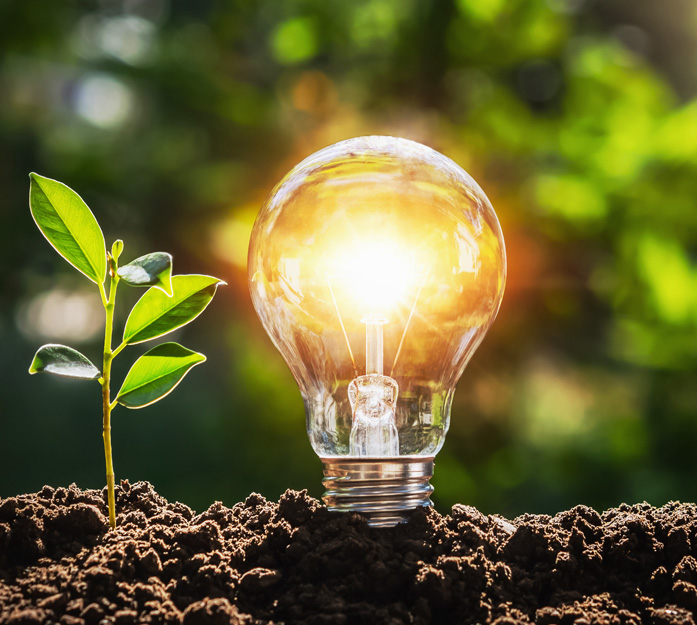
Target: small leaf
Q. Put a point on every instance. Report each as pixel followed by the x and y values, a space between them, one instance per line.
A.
pixel 156 373
pixel 69 225
pixel 65 361
pixel 150 270
pixel 116 249
pixel 155 314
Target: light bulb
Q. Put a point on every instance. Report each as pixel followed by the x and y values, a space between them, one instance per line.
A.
pixel 376 266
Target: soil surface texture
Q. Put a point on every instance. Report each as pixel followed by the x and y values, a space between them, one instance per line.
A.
pixel 261 562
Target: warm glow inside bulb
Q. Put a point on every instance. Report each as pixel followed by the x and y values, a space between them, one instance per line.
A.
pixel 377 275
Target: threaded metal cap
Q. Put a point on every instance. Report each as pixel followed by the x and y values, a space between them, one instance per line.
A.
pixel 385 490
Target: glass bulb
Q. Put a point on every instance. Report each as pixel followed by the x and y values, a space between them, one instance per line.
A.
pixel 376 266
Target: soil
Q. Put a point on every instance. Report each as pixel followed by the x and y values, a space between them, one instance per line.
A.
pixel 293 561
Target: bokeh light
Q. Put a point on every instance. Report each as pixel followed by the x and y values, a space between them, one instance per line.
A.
pixel 103 101
pixel 61 315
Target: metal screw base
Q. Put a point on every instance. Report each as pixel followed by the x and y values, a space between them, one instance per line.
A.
pixel 385 490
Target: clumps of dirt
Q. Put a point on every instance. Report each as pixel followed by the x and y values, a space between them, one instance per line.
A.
pixel 267 563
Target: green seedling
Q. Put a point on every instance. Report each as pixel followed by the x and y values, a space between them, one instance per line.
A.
pixel 169 303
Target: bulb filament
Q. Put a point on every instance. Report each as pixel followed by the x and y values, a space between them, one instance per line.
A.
pixel 341 323
pixel 406 325
pixel 373 396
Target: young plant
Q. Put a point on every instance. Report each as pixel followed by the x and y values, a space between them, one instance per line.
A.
pixel 170 302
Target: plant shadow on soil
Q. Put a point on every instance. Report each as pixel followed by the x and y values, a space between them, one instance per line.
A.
pixel 293 561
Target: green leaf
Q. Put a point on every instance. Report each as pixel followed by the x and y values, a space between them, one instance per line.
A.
pixel 150 270
pixel 156 373
pixel 69 225
pixel 65 361
pixel 116 249
pixel 155 314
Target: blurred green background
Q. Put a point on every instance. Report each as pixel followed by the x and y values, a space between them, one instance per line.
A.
pixel 175 119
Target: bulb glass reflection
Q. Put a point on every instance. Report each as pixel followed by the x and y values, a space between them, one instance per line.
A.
pixel 376 266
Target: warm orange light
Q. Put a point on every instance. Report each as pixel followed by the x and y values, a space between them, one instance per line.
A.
pixel 376 275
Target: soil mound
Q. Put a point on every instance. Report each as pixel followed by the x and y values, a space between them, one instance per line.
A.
pixel 261 562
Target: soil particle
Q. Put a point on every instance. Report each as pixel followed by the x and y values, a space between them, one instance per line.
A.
pixel 264 563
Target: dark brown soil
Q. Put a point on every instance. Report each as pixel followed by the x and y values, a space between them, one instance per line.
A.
pixel 295 562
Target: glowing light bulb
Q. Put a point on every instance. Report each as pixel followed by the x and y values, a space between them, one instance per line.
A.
pixel 376 266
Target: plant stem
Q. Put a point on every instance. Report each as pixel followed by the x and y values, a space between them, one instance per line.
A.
pixel 106 398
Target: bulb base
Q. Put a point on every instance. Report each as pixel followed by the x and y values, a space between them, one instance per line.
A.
pixel 385 490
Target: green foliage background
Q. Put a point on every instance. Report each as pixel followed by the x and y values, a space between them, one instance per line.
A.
pixel 174 119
